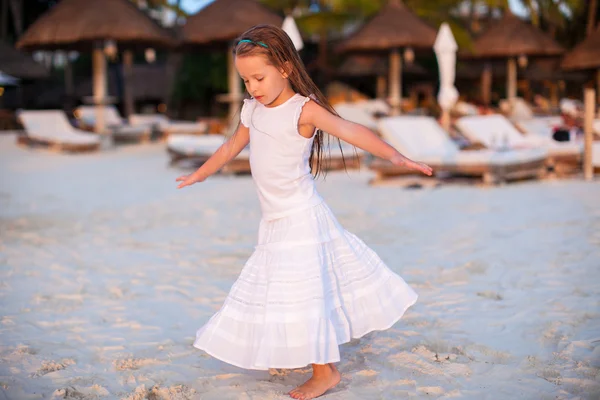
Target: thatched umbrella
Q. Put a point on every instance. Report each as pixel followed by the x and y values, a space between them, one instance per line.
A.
pixel 84 25
pixel 393 28
pixel 586 56
pixel 217 25
pixel 514 39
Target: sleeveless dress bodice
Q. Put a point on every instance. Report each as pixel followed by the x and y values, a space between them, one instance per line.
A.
pixel 279 157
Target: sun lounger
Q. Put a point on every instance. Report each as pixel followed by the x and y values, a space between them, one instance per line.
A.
pixel 496 131
pixel 423 139
pixel 51 128
pixel 374 106
pixel 199 148
pixel 596 155
pixel 166 126
pixel 356 114
pixel 117 126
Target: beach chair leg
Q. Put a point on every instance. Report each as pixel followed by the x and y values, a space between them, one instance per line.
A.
pixel 489 178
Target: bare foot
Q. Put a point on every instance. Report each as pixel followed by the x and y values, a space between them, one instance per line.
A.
pixel 324 378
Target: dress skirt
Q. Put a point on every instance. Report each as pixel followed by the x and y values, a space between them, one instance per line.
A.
pixel 308 287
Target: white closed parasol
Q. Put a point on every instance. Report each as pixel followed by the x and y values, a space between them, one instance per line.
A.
pixel 445 48
pixel 289 26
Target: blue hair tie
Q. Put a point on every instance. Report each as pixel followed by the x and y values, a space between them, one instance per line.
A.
pixel 254 43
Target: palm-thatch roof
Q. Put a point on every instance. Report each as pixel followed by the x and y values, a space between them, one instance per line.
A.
pixel 395 26
pixel 512 37
pixel 78 24
pixel 20 65
pixel 223 20
pixel 369 65
pixel 586 55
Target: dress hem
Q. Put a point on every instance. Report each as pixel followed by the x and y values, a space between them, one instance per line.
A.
pixel 295 366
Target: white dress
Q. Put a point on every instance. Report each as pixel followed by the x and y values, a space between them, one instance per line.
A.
pixel 310 285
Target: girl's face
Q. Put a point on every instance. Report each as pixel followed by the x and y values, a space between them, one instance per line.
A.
pixel 263 81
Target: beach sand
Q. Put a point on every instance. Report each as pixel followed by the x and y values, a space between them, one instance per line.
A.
pixel 107 271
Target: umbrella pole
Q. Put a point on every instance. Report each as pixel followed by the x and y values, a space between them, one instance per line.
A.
pixel 598 89
pixel 234 88
pixel 486 84
pixel 381 84
pixel 99 67
pixel 127 75
pixel 395 81
pixel 554 94
pixel 589 100
pixel 511 81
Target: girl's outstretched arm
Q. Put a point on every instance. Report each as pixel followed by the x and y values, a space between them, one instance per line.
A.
pixel 358 135
pixel 225 153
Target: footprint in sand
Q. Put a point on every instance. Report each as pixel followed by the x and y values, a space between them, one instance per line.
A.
pixel 179 392
pixel 52 366
pixel 134 363
pixel 488 294
pixel 81 393
pixel 431 390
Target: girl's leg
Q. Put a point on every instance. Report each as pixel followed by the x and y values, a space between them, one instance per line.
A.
pixel 324 377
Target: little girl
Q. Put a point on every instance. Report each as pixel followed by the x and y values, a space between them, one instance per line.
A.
pixel 310 285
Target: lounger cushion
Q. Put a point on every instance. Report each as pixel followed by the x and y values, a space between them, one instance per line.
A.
pixel 496 131
pixel 356 114
pixel 199 145
pixel 53 126
pixel 423 139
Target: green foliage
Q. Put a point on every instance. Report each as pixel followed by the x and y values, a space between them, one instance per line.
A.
pixel 199 75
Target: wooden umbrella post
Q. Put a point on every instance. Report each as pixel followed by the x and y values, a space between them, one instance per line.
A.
pixel 127 76
pixel 589 101
pixel 598 89
pixel 99 68
pixel 486 84
pixel 554 94
pixel 235 89
pixel 395 81
pixel 511 83
pixel 381 84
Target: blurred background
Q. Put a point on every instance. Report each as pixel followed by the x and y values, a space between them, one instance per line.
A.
pixel 183 78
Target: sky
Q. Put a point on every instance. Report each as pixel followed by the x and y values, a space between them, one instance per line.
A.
pixel 192 6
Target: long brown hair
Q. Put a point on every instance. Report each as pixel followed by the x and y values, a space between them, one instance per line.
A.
pixel 272 42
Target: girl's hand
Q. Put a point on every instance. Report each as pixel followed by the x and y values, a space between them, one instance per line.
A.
pixel 402 161
pixel 187 180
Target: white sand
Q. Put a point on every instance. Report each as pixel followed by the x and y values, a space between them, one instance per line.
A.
pixel 106 272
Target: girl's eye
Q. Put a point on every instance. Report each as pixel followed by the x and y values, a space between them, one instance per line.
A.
pixel 246 82
pixel 259 79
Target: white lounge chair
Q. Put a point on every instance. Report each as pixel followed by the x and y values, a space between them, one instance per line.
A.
pixel 117 126
pixel 167 126
pixel 423 139
pixel 374 106
pixel 496 131
pixel 199 148
pixel 356 114
pixel 52 129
